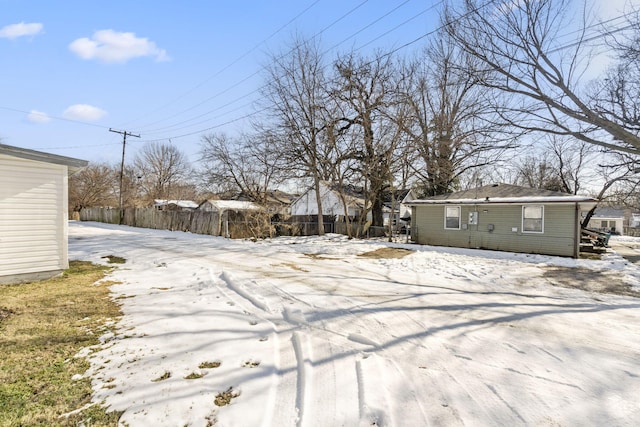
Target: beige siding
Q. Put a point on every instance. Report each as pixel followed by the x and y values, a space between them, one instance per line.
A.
pixel 33 216
pixel 558 237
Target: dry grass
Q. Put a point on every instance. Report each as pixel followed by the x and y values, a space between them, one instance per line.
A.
pixel 224 398
pixel 43 325
pixel 604 282
pixel 387 253
pixel 210 365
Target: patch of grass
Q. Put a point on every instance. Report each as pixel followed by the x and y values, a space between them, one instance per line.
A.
pixel 387 253
pixel 224 398
pixel 209 365
pixel 112 259
pixel 194 376
pixel 44 325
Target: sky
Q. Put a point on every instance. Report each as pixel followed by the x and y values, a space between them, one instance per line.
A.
pixel 169 71
pixel 316 331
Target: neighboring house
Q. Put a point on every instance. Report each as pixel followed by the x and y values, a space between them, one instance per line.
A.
pixel 174 205
pixel 401 209
pixel 277 203
pixel 607 219
pixel 332 205
pixel 502 217
pixel 33 213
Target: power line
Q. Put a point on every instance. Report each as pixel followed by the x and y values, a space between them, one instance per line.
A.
pixel 225 68
pixel 403 46
pixel 55 117
pixel 316 35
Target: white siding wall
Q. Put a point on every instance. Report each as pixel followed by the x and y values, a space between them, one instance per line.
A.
pixel 307 204
pixel 33 216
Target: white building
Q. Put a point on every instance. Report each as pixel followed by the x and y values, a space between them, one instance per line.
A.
pixel 33 213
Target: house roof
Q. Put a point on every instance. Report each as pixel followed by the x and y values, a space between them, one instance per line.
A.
pixel 503 194
pixel 272 197
pixel 608 212
pixel 189 204
pixel 23 153
pixel 235 205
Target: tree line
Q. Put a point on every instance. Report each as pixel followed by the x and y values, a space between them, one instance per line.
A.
pixel 492 96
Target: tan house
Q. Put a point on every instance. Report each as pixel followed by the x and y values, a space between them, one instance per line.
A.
pixel 502 217
pixel 33 213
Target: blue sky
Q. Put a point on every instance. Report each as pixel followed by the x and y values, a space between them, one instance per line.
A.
pixel 168 70
pixel 163 69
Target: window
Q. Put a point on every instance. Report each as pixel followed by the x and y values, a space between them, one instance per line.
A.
pixel 452 217
pixel 533 219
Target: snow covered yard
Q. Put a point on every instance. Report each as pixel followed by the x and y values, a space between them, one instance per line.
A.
pixel 308 332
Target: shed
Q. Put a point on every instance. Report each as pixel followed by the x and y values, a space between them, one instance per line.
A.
pixel 502 217
pixel 174 205
pixel 230 212
pixel 33 213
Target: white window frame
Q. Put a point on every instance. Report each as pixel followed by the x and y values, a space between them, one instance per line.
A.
pixel 459 208
pixel 541 231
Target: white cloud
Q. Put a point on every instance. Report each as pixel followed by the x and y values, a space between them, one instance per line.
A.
pixel 20 30
pixel 36 116
pixel 84 112
pixel 112 46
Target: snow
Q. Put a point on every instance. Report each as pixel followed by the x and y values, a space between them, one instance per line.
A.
pixel 309 333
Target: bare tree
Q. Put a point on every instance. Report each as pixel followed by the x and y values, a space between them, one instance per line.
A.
pixel 538 172
pixel 251 164
pixel 449 122
pixel 296 99
pixel 93 186
pixel 621 171
pixel 516 41
pixel 161 167
pixel 572 159
pixel 365 89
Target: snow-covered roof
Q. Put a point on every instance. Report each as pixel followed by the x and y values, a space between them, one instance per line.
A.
pixel 189 204
pixel 236 205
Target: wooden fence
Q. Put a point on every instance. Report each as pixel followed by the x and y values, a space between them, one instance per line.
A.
pixel 236 225
pixel 233 224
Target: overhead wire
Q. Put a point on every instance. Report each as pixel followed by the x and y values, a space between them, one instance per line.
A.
pixel 254 113
pixel 216 95
pixel 234 62
pixel 417 39
pixel 316 35
pixel 403 46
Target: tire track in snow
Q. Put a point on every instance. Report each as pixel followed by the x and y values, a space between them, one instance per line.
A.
pixel 371 405
pixel 240 288
pixel 305 375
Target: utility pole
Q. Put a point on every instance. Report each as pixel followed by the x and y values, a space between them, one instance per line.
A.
pixel 124 134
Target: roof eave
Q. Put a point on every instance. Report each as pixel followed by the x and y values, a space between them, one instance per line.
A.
pixel 73 164
pixel 507 201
